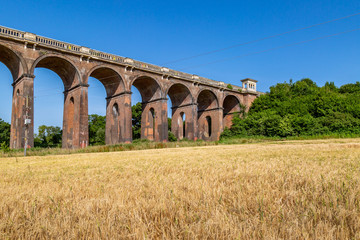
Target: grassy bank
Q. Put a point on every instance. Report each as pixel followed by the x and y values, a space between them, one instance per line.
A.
pixel 144 144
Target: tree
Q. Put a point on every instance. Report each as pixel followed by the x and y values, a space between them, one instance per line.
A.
pixel 48 136
pixel 350 88
pixel 97 129
pixel 136 120
pixel 169 124
pixel 4 132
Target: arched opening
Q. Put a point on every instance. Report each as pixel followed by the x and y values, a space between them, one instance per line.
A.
pixel 147 122
pixel 48 108
pixel 11 110
pixel 74 132
pixel 136 113
pixel 71 111
pixel 106 127
pixel 152 123
pixel 115 110
pixel 6 102
pixel 208 115
pixel 182 105
pixel 208 127
pixel 183 124
pixel 231 106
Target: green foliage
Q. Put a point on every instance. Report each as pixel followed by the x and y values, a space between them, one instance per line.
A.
pixel 140 141
pixel 171 137
pixel 97 129
pixel 301 109
pixel 48 136
pixel 136 120
pixel 4 147
pixel 169 124
pixel 242 111
pixel 229 86
pixel 350 88
pixel 4 132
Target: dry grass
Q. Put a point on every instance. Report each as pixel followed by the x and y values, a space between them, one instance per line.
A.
pixel 297 190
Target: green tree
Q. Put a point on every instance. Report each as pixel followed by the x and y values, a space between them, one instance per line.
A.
pixel 169 124
pixel 48 136
pixel 4 132
pixel 136 120
pixel 97 129
pixel 350 88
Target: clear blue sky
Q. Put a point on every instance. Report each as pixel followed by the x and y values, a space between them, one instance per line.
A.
pixel 162 31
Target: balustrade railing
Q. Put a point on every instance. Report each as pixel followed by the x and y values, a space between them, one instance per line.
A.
pixel 11 32
pixel 51 42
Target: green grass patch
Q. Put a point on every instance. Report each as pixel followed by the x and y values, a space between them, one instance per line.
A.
pixel 142 144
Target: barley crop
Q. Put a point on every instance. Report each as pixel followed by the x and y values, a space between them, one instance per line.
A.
pixel 292 190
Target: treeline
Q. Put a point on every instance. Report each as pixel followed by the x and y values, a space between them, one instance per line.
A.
pixel 50 136
pixel 301 109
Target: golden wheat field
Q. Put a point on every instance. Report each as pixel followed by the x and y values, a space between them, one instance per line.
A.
pixel 287 190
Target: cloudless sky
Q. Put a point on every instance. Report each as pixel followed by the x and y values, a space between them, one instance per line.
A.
pixel 159 32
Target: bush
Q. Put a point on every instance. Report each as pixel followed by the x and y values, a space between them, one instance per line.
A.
pixel 97 129
pixel 171 137
pixel 139 141
pixel 5 147
pixel 227 133
pixel 48 136
pixel 4 132
pixel 229 86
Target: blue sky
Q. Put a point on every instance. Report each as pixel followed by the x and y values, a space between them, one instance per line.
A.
pixel 159 32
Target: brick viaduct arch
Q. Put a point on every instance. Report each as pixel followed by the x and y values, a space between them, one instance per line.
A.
pixel 183 111
pixel 201 108
pixel 231 106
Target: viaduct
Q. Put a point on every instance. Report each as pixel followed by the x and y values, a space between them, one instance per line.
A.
pixel 201 108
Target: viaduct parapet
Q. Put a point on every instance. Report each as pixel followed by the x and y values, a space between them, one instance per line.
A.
pixel 201 108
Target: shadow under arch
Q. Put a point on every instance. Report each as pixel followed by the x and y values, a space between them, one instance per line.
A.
pixel 183 111
pixel 154 109
pixel 110 78
pixel 207 100
pixel 231 106
pixel 149 88
pixel 14 62
pixel 62 66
